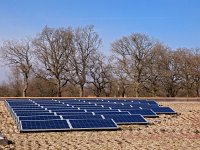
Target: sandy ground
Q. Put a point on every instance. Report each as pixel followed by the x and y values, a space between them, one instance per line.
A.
pixel 180 131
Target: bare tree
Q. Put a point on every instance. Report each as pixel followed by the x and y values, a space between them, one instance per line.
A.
pixel 184 59
pixel 15 82
pixel 85 44
pixel 153 69
pixel 5 90
pixel 99 74
pixel 170 73
pixel 132 52
pixel 196 70
pixel 120 78
pixel 18 54
pixel 42 88
pixel 52 49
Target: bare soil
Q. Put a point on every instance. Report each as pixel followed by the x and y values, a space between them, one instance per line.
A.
pixel 180 132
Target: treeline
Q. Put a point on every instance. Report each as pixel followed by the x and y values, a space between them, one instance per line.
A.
pixel 69 62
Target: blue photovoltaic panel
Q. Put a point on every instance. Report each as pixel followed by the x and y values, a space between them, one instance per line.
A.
pixel 59 107
pixel 145 106
pixel 45 117
pixel 47 125
pixel 64 108
pixel 163 110
pixel 143 112
pixel 82 117
pixel 113 112
pixel 52 105
pixel 117 106
pixel 74 113
pixel 35 106
pixel 34 114
pixel 23 105
pixel 97 110
pixel 87 106
pixel 151 102
pixel 93 124
pixel 68 110
pixel 30 111
pixel 90 108
pixel 46 101
pixel 81 104
pixel 27 109
pixel 127 119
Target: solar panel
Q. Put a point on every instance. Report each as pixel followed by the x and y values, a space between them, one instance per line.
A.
pixel 64 108
pixel 26 107
pixel 81 104
pixel 34 114
pixel 163 110
pixel 94 107
pixel 30 111
pixel 81 114
pixel 152 102
pixel 68 110
pixel 82 117
pixel 54 105
pixel 113 112
pixel 44 117
pixel 23 105
pixel 100 110
pixel 58 107
pixel 143 112
pixel 144 106
pixel 127 119
pixel 74 113
pixel 93 124
pixel 44 125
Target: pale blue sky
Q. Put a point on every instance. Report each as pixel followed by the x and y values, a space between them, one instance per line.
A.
pixel 173 22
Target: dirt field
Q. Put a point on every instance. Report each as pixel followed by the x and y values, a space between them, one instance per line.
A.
pixel 166 132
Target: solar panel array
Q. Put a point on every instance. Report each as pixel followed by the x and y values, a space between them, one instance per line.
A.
pixel 81 114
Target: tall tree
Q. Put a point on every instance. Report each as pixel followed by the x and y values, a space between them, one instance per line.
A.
pixel 132 52
pixel 196 70
pixel 52 49
pixel 19 55
pixel 99 74
pixel 170 73
pixel 151 85
pixel 184 59
pixel 85 44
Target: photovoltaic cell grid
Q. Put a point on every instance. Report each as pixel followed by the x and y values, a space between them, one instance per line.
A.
pixel 44 125
pixel 81 114
pixel 93 124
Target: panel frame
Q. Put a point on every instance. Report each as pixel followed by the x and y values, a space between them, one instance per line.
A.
pixel 167 113
pixel 132 123
pixel 42 130
pixel 98 128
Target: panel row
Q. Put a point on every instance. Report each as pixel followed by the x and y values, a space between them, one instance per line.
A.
pixel 65 125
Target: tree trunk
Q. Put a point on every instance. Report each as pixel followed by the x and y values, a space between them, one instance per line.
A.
pixel 123 91
pixel 137 89
pixel 118 92
pixel 24 92
pixel 81 91
pixel 98 93
pixel 59 93
pixel 197 91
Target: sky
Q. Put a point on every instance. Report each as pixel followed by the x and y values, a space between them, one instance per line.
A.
pixel 174 22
